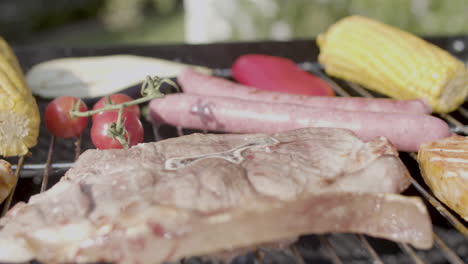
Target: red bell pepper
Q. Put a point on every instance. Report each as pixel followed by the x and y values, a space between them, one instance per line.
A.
pixel 278 74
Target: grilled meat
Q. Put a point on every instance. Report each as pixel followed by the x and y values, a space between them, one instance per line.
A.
pixel 195 82
pixel 444 167
pixel 204 194
pixel 150 233
pixel 234 115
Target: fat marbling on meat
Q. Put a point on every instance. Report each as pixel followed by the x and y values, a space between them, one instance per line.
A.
pixel 204 194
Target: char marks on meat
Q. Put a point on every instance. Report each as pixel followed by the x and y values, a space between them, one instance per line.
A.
pixel 133 206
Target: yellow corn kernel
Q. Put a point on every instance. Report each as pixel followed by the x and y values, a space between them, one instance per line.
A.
pixel 7 53
pixel 393 62
pixel 19 114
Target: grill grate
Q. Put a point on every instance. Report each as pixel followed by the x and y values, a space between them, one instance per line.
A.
pixel 457 125
pixel 331 248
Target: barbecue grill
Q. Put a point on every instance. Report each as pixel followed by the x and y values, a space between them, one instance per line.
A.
pixel 52 157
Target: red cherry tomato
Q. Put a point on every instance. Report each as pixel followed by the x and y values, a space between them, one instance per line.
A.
pixel 59 121
pixel 117 99
pixel 102 122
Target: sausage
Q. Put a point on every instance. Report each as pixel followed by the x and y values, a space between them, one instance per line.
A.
pixel 405 130
pixel 194 82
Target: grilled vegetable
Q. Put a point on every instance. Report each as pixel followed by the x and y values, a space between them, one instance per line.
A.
pixel 7 179
pixel 90 77
pixel 104 139
pixel 393 62
pixel 19 115
pixel 117 98
pixel 7 53
pixel 59 120
pixel 444 166
pixel 277 74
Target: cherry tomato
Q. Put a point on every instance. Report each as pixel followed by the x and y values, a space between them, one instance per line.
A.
pixel 117 99
pixel 102 122
pixel 59 121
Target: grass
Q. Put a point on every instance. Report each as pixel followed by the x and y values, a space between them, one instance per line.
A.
pixel 308 18
pixel 158 29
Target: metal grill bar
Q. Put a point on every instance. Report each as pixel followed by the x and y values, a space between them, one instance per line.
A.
pixel 448 252
pixel 77 147
pixel 42 166
pixel 45 177
pixel 408 250
pixel 463 111
pixel 155 129
pixel 370 250
pixel 453 220
pixel 180 131
pixel 297 256
pixel 259 255
pixel 448 215
pixel 7 204
pixel 459 127
pixel 330 249
pixel 48 165
pixel 360 90
pixel 337 88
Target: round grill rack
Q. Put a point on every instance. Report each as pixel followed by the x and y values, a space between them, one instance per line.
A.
pixel 52 157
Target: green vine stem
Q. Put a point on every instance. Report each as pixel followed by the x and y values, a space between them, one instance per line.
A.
pixel 108 100
pixel 117 130
pixel 119 118
pixel 150 89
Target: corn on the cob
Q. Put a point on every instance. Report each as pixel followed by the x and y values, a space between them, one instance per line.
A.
pixel 19 115
pixel 393 62
pixel 7 53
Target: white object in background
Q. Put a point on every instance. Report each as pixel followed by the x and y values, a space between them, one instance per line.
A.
pixel 203 23
pixel 223 20
pixel 88 77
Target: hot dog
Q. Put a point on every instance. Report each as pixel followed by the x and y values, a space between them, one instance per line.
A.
pixel 194 82
pixel 405 130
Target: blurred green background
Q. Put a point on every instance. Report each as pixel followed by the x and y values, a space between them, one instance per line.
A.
pixel 112 22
